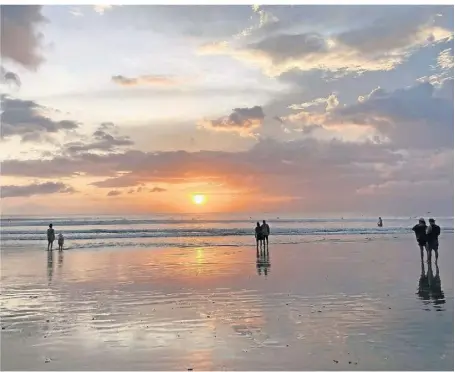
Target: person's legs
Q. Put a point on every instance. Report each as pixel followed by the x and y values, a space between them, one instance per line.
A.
pixel 266 240
pixel 436 253
pixel 421 252
pixel 428 247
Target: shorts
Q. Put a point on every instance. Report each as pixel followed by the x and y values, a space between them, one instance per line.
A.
pixel 421 242
pixel 50 240
pixel 433 246
pixel 260 237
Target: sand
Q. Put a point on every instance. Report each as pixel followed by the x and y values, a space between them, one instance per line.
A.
pixel 351 305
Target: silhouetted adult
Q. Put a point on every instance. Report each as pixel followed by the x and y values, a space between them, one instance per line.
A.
pixel 50 237
pixel 258 234
pixel 433 232
pixel 380 222
pixel 265 232
pixel 421 235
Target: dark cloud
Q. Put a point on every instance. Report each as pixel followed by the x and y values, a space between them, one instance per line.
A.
pixel 242 120
pixel 26 119
pixel 102 140
pixel 21 41
pixel 412 118
pixel 283 47
pixel 144 80
pixel 12 191
pixel 158 189
pixel 114 193
pixel 7 77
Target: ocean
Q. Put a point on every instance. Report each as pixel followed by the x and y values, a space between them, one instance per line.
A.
pixel 197 230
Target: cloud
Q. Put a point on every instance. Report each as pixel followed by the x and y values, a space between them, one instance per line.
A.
pixel 380 46
pixel 445 59
pixel 144 80
pixel 102 140
pixel 7 77
pixel 12 191
pixel 114 193
pixel 241 120
pixel 417 117
pixel 312 174
pixel 26 119
pixel 21 41
pixel 158 189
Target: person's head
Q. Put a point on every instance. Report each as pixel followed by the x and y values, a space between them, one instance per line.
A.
pixel 50 225
pixel 422 221
pixel 380 218
pixel 263 221
pixel 258 224
pixel 431 221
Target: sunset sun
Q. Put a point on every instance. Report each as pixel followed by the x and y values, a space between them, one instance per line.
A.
pixel 199 199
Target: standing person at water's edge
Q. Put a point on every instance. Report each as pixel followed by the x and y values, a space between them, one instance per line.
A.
pixel 258 234
pixel 50 237
pixel 433 232
pixel 265 232
pixel 421 235
pixel 380 222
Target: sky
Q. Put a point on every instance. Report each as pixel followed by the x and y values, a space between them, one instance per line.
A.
pixel 309 109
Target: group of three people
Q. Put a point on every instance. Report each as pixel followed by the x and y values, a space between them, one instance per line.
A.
pixel 427 237
pixel 262 232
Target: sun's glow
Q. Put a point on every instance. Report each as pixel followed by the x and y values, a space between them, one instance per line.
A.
pixel 199 199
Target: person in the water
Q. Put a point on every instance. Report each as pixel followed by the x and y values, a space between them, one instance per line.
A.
pixel 380 222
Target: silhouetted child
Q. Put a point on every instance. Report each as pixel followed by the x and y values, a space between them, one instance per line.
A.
pixel 61 240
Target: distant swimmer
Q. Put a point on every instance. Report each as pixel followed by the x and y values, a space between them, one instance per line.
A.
pixel 61 240
pixel 50 237
pixel 421 235
pixel 380 222
pixel 433 232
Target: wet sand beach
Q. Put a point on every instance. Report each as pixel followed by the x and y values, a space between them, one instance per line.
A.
pixel 356 304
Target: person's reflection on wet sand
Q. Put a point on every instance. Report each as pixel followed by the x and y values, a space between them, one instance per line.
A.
pixel 262 260
pixel 60 259
pixel 429 288
pixel 436 293
pixel 50 266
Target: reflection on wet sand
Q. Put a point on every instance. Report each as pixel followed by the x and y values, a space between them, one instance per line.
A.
pixel 50 266
pixel 429 287
pixel 60 259
pixel 263 260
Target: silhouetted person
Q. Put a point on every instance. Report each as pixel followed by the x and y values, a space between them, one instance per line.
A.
pixel 421 235
pixel 50 265
pixel 433 232
pixel 258 235
pixel 61 241
pixel 262 260
pixel 380 222
pixel 50 237
pixel 265 232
